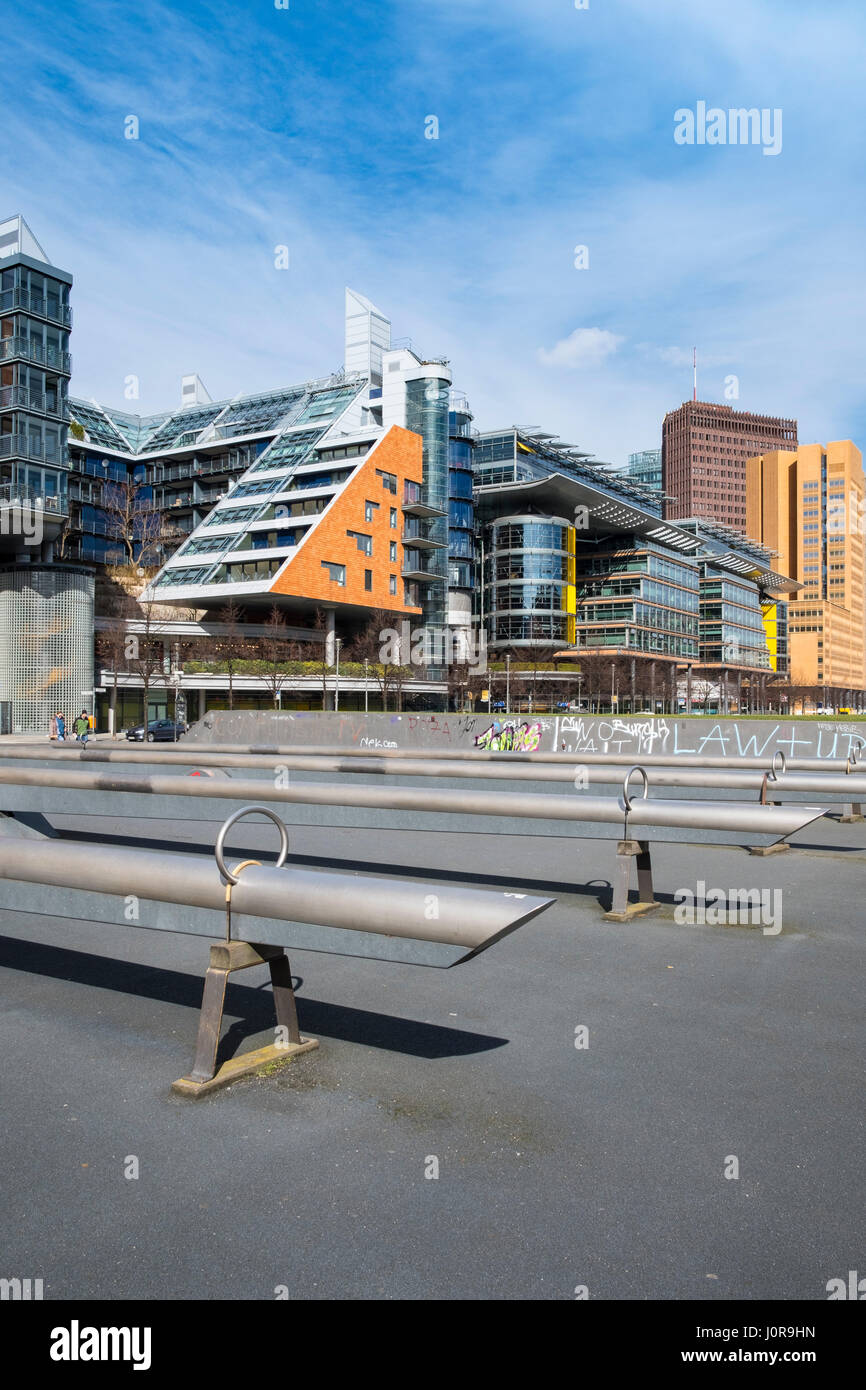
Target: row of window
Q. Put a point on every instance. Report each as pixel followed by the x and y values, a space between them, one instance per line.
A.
pixel 337 575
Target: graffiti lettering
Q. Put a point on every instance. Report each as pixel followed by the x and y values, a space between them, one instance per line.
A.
pixel 509 738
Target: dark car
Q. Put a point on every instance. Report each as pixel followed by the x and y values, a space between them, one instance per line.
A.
pixel 158 731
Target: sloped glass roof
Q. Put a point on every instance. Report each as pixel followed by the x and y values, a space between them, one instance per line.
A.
pixel 98 426
pixel 316 402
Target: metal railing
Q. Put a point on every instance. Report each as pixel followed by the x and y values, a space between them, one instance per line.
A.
pixel 34 351
pixel 20 446
pixel 41 305
pixel 19 396
pixel 14 494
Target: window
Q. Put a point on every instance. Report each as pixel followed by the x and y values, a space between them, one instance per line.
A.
pixel 393 552
pixel 393 518
pixel 337 573
pixel 393 584
pixel 370 509
pixel 368 580
pixel 363 542
pixel 389 480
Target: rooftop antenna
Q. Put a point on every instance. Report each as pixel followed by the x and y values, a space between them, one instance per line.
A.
pixel 695 370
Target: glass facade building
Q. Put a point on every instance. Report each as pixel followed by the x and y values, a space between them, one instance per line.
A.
pixel 35 366
pixel 732 621
pixel 461 513
pixel 529 581
pixel 639 597
pixel 645 467
pixel 427 414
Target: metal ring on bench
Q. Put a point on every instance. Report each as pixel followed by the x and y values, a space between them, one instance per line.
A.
pixel 781 767
pixel 238 815
pixel 625 796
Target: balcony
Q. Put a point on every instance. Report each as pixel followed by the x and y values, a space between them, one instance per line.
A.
pixel 14 494
pixel 19 298
pixel 19 446
pixel 32 351
pixel 414 570
pixel 414 506
pixel 199 467
pixel 420 542
pixel 12 397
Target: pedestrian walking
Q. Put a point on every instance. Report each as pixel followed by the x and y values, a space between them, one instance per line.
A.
pixel 61 728
pixel 81 728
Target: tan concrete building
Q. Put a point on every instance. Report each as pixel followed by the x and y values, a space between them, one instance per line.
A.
pixel 808 506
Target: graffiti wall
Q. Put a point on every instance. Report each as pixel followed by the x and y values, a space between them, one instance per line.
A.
pixel 726 738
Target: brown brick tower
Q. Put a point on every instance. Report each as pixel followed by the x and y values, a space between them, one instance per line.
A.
pixel 704 452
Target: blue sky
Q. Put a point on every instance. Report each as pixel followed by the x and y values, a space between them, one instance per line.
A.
pixel 305 127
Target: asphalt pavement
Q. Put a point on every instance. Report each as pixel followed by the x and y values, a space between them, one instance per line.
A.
pixel 703 1140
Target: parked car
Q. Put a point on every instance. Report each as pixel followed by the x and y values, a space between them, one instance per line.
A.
pixel 158 731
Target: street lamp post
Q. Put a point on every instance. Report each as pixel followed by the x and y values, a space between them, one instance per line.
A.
pixel 338 642
pixel 507 682
pixel 366 687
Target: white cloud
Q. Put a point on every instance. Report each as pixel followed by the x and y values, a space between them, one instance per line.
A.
pixel 582 348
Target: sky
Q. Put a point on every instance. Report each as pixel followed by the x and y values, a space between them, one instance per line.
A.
pixel 307 127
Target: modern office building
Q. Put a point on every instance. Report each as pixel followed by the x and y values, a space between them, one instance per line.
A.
pixel 808 505
pixel 577 561
pixel 645 468
pixel 258 499
pixel 704 453
pixel 461 515
pixel 46 608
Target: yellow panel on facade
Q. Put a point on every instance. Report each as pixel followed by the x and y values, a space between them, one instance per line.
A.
pixel 570 599
pixel 770 613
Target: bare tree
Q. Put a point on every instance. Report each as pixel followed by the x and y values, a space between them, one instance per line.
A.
pixel 231 646
pixel 380 644
pixel 134 521
pixel 465 682
pixel 319 655
pixel 276 651
pixel 112 648
pixel 145 652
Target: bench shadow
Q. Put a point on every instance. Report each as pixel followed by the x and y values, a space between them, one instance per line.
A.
pixel 249 1010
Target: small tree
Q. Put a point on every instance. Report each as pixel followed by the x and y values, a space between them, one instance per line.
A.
pixel 230 645
pixel 380 644
pixel 135 522
pixel 275 651
pixel 319 655
pixel 145 653
pixel 113 649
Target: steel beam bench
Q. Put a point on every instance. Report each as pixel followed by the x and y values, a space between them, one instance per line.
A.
pixel 817 786
pixel 260 910
pixel 633 822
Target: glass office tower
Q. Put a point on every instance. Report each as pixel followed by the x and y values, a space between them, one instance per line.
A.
pixel 35 366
